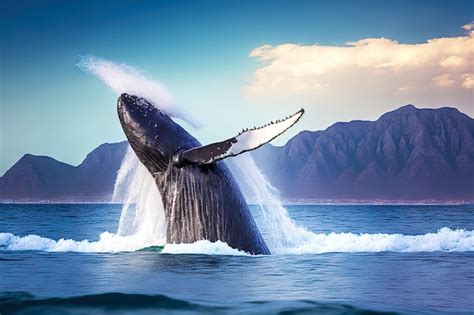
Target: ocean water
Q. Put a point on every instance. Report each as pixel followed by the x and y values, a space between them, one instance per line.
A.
pixel 356 259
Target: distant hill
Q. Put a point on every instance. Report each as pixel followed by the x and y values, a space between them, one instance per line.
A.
pixel 44 178
pixel 37 177
pixel 408 154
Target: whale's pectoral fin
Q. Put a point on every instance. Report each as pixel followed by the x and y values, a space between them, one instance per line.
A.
pixel 246 140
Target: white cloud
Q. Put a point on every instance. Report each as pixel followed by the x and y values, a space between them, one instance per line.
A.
pixel 468 81
pixel 444 80
pixel 453 62
pixel 364 78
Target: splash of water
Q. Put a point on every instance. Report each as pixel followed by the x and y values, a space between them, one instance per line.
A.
pixel 142 216
pixel 281 231
pixel 122 78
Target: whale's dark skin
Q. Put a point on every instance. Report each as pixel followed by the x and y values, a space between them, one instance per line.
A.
pixel 201 202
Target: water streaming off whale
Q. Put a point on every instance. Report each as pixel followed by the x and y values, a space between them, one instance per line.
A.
pixel 281 231
pixel 142 213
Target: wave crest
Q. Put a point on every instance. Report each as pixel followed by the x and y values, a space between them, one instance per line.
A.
pixel 108 242
pixel 445 239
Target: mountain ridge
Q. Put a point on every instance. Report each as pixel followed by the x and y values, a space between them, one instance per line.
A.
pixel 93 179
pixel 408 146
pixel 406 154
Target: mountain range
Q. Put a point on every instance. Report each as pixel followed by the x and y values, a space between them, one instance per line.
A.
pixel 408 154
pixel 41 178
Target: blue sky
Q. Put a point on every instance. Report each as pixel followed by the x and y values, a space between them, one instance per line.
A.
pixel 199 50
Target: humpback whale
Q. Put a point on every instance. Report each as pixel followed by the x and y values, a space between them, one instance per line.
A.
pixel 201 199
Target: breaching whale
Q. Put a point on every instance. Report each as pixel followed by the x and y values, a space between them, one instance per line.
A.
pixel 201 199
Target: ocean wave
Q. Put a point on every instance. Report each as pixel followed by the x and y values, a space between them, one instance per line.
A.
pixel 445 239
pixel 120 303
pixel 108 242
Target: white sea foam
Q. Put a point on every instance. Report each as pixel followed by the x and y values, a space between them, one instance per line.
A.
pixel 108 242
pixel 445 239
pixel 203 247
pixel 122 78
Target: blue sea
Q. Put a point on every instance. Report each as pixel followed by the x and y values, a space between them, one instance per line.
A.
pixel 350 259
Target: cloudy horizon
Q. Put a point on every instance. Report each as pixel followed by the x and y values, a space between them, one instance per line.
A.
pixel 435 73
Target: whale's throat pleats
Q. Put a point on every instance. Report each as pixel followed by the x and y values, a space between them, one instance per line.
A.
pixel 205 202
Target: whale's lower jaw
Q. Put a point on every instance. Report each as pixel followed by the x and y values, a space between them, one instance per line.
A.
pixel 205 203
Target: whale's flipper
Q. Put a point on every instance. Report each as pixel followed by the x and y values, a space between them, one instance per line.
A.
pixel 246 140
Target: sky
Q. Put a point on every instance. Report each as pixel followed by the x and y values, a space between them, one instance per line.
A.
pixel 228 64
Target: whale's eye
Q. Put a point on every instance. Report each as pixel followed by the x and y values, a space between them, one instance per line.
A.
pixel 177 159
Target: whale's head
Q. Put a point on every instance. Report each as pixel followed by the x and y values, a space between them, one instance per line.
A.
pixel 152 134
